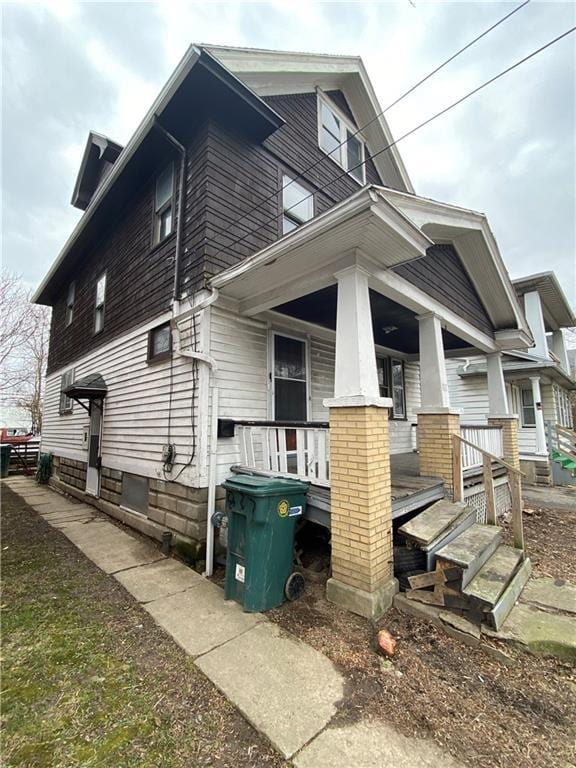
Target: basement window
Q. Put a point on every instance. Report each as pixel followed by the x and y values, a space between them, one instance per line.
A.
pixel 163 204
pixel 159 343
pixel 339 139
pixel 70 298
pixel 297 205
pixel 135 493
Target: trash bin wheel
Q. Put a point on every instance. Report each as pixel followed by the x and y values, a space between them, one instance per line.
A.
pixel 294 588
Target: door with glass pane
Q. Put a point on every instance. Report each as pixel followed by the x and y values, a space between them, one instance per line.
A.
pixel 94 440
pixel 289 379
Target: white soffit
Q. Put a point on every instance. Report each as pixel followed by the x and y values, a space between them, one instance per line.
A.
pixel 275 73
pixel 470 234
pixel 557 311
pixel 307 258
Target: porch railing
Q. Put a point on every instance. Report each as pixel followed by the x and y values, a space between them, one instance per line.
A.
pixel 514 480
pixel 479 438
pixel 287 448
pixel 562 440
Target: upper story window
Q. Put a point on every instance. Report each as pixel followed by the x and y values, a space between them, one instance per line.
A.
pixel 163 204
pixel 100 302
pixel 159 342
pixel 70 298
pixel 334 130
pixel 391 384
pixel 297 205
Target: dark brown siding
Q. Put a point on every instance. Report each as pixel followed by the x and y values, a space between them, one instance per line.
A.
pixel 441 275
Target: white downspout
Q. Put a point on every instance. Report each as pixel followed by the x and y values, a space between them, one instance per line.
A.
pixel 213 443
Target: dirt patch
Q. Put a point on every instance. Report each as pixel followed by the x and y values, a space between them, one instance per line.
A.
pixel 482 710
pixel 90 679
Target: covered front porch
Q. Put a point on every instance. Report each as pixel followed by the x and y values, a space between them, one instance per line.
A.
pixel 374 445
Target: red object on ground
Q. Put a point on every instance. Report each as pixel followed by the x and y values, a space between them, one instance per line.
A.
pixel 386 642
pixel 15 435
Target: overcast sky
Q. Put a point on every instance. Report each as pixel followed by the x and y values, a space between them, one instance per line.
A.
pixel 508 151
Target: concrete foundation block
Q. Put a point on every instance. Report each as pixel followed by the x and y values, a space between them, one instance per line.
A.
pixel 371 605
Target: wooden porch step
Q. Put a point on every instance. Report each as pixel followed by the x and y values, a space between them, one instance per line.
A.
pixel 431 524
pixel 494 576
pixel 471 549
pixel 498 615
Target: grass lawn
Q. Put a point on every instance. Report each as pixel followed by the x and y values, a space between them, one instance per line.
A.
pixel 89 679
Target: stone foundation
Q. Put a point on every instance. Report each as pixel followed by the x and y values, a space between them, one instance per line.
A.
pixel 70 471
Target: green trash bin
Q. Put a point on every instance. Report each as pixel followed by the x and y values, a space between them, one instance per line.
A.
pixel 5 451
pixel 262 516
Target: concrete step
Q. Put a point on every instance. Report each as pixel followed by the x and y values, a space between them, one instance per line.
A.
pixel 494 576
pixel 435 522
pixel 471 549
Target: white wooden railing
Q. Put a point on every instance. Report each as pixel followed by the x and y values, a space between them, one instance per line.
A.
pixel 480 437
pixel 282 449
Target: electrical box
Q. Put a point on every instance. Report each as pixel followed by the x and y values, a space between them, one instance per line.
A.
pixel 226 428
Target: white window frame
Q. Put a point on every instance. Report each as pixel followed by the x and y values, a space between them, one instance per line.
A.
pixel 345 126
pixel 522 407
pixel 100 307
pixel 66 403
pixel 271 368
pixel 159 211
pixel 70 301
pixel 289 214
pixel 388 361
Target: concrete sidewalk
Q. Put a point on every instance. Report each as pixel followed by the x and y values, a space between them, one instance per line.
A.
pixel 286 689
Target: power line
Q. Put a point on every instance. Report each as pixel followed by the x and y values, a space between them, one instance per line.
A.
pixel 373 120
pixel 404 136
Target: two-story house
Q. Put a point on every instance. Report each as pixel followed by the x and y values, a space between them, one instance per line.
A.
pixel 538 380
pixel 255 284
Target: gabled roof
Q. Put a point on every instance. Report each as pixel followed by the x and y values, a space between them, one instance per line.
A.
pixel 99 156
pixel 557 311
pixel 273 73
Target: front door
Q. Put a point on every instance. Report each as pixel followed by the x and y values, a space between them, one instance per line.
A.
pixel 94 439
pixel 289 379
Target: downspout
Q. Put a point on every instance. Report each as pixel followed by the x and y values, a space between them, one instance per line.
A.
pixel 206 359
pixel 180 223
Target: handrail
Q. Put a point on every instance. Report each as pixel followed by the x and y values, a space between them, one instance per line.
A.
pixel 482 426
pixel 514 482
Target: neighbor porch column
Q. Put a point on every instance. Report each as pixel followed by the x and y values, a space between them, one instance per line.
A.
pixel 539 416
pixel 361 504
pixel 499 414
pixel 437 422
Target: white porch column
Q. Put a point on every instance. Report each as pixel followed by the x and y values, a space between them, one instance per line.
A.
pixel 497 397
pixel 535 318
pixel 539 415
pixel 356 373
pixel 433 379
pixel 559 349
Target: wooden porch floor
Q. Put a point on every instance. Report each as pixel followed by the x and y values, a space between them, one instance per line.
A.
pixel 410 491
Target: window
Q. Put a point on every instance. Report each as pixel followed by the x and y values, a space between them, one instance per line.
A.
pixel 297 205
pixel 163 205
pixel 66 403
pixel 290 379
pixel 528 410
pixel 135 493
pixel 563 407
pixel 70 296
pixel 100 301
pixel 338 139
pixel 391 384
pixel 159 343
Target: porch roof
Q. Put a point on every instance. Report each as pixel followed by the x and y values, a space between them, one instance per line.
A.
pixel 371 230
pixel 515 370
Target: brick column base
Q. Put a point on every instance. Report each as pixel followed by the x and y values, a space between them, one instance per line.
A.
pixel 435 432
pixel 509 426
pixel 361 511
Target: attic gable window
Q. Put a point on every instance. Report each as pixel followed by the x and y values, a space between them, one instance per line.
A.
pixel 297 205
pixel 335 130
pixel 99 304
pixel 70 298
pixel 163 204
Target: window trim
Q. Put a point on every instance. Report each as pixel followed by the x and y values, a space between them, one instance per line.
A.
pixel 271 365
pixel 388 360
pixel 70 304
pixel 523 389
pixel 62 408
pixel 97 306
pixel 151 358
pixel 345 125
pixel 157 212
pixel 282 172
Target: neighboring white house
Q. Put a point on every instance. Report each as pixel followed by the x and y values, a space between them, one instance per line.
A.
pixel 539 381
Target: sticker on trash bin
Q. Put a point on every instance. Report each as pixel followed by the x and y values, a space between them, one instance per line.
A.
pixel 295 511
pixel 283 508
pixel 240 572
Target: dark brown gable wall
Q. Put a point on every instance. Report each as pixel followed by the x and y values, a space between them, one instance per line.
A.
pixel 441 275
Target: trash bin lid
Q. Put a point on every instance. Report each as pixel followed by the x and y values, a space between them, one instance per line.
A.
pixel 265 486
